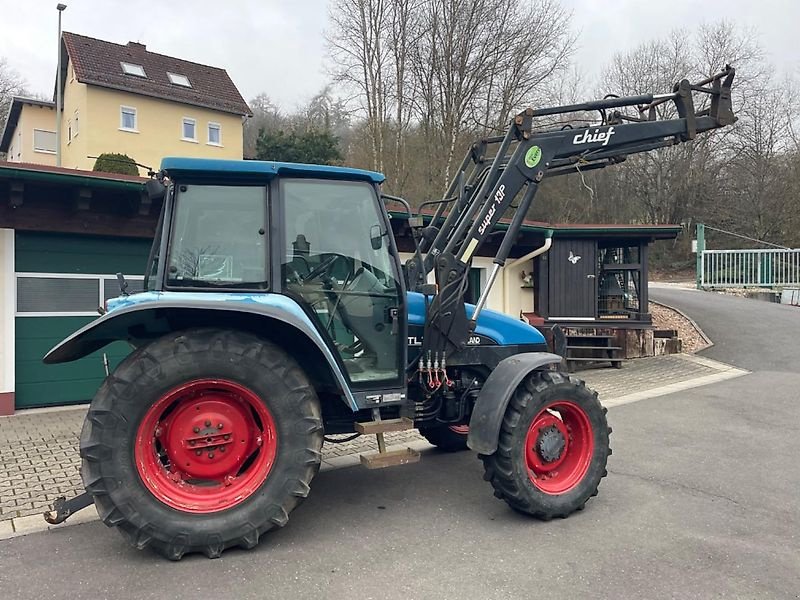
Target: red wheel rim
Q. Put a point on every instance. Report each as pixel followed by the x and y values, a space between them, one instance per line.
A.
pixel 205 446
pixel 559 447
pixel 460 429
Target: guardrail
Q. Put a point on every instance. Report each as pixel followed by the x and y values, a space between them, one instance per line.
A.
pixel 750 268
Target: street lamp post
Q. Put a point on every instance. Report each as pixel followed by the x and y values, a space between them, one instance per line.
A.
pixel 60 7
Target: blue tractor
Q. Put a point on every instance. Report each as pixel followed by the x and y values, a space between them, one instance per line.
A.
pixel 276 312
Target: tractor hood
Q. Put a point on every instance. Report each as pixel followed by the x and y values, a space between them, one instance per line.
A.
pixel 501 328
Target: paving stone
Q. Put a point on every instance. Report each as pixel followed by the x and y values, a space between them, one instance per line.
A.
pixel 45 463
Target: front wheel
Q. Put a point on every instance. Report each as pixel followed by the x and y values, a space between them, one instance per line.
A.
pixel 201 440
pixel 553 447
pixel 448 438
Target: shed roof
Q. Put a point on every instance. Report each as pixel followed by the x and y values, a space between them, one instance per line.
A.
pixel 62 175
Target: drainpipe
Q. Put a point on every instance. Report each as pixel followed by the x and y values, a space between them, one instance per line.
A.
pixel 531 255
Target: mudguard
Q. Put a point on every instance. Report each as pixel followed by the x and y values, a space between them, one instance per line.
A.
pixel 146 315
pixel 487 415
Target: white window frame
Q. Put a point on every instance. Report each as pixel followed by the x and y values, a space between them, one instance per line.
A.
pixel 75 128
pixel 43 150
pixel 122 127
pixel 100 300
pixel 184 121
pixel 133 69
pixel 178 79
pixel 218 127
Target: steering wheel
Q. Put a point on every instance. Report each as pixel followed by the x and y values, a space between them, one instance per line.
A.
pixel 322 267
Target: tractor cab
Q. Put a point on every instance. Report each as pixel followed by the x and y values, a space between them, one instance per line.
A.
pixel 319 235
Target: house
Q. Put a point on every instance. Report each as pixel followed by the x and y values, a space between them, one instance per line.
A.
pixel 29 135
pixel 128 100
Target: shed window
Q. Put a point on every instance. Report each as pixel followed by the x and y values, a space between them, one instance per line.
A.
pixel 620 285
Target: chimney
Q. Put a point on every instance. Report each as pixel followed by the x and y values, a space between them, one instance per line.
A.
pixel 137 46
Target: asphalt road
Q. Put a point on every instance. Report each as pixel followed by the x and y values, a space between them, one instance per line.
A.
pixel 755 335
pixel 700 502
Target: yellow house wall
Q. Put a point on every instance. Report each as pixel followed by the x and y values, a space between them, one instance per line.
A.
pixel 21 147
pixel 159 128
pixel 74 151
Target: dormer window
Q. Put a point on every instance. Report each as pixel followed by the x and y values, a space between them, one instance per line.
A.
pixel 179 79
pixel 133 69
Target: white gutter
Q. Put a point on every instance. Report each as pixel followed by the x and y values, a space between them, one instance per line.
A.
pixel 548 242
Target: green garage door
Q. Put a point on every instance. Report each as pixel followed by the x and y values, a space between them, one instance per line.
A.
pixel 61 280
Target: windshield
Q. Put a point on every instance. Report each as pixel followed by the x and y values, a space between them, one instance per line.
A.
pixel 219 237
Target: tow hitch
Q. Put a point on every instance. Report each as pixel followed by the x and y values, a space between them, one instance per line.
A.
pixel 63 509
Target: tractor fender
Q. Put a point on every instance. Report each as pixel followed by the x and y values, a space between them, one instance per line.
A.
pixel 155 314
pixel 487 414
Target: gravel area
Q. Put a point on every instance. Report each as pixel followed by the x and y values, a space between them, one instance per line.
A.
pixel 667 318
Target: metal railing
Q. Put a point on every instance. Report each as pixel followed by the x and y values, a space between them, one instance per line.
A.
pixel 750 268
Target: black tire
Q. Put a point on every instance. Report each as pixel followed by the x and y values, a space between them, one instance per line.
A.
pixel 109 434
pixel 445 438
pixel 507 469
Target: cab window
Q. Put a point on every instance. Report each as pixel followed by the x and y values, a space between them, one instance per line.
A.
pixel 219 237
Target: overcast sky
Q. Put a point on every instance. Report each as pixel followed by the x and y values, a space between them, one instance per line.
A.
pixel 277 46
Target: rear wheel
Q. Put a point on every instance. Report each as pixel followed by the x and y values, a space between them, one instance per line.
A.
pixel 553 447
pixel 449 438
pixel 200 441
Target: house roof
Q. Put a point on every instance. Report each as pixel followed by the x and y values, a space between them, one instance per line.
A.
pixel 64 176
pixel 17 102
pixel 97 62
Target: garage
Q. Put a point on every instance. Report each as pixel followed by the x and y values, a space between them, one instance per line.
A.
pixel 64 235
pixel 61 279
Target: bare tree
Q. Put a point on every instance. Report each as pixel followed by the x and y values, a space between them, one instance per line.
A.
pixel 678 183
pixel 363 60
pixel 433 69
pixel 760 194
pixel 403 36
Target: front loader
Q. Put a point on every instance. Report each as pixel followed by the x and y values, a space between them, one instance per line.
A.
pixel 276 314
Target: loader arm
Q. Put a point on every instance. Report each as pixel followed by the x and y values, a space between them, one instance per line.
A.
pixel 484 188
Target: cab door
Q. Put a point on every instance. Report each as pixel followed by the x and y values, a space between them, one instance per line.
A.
pixel 340 263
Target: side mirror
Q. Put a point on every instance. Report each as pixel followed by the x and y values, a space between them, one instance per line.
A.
pixel 155 189
pixel 376 237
